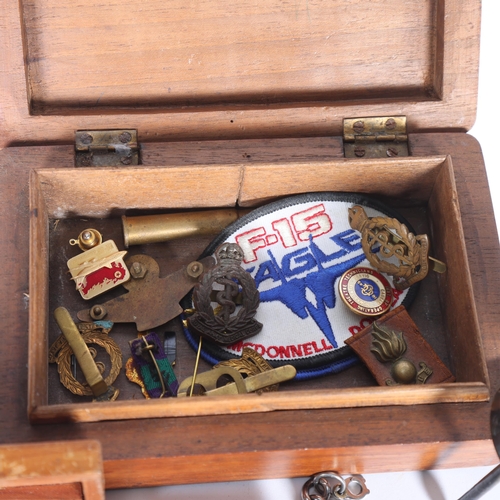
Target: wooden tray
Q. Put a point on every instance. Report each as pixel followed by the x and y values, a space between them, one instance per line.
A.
pixel 240 79
pixel 426 184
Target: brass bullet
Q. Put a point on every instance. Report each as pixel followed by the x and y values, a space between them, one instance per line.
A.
pixel 164 227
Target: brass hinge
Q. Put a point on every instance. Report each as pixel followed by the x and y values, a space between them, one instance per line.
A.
pixel 106 148
pixel 375 137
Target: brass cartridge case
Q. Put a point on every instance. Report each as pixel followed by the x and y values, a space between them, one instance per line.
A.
pixel 164 227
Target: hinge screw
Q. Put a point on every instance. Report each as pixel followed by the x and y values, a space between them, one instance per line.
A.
pixel 125 137
pixel 390 124
pixel 86 138
pixel 359 152
pixel 358 126
pixel 126 160
pixel 392 152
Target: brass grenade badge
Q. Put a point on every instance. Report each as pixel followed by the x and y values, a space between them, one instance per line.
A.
pixel 389 346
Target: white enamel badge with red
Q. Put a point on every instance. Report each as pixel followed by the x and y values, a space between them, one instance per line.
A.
pixel 99 269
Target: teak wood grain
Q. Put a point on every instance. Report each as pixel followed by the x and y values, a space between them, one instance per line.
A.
pixel 266 444
pixel 67 470
pixel 283 463
pixel 181 71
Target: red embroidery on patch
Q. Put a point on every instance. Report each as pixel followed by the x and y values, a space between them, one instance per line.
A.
pixel 313 222
pixel 285 352
pixel 250 242
pixel 305 224
pixel 362 324
pixel 271 239
pixel 284 230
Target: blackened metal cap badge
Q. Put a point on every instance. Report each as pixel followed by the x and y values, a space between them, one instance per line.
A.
pixel 297 249
pixel 233 281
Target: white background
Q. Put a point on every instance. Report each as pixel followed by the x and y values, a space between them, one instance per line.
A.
pixel 421 485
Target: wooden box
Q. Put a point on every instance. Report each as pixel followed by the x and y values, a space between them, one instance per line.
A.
pixel 241 105
pixel 60 470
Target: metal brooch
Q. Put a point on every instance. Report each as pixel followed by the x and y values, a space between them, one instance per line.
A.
pixel 390 346
pixel 225 323
pixel 61 352
pixel 151 301
pixel 251 363
pixel 150 368
pixel 392 249
pixel 100 267
pixel 224 380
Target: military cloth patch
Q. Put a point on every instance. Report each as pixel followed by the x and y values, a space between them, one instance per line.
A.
pixel 297 249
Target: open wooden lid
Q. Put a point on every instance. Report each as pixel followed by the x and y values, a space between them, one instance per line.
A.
pixel 207 69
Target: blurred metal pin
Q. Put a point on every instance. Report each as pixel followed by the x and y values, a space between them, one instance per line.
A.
pixel 149 348
pixel 209 381
pixel 87 364
pixel 196 367
pixel 164 227
pixel 258 381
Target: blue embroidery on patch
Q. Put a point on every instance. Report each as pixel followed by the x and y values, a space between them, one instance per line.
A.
pixel 319 281
pixel 313 299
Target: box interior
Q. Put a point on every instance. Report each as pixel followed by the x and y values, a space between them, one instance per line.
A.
pixel 66 201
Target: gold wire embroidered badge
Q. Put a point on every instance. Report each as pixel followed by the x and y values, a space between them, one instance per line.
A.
pixel 60 352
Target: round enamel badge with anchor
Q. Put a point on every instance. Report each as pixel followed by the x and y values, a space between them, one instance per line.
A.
pixel 297 250
pixel 365 291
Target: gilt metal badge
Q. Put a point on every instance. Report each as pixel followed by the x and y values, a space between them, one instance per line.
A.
pixel 389 346
pixel 391 248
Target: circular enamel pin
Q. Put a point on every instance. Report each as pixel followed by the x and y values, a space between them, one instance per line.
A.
pixel 365 291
